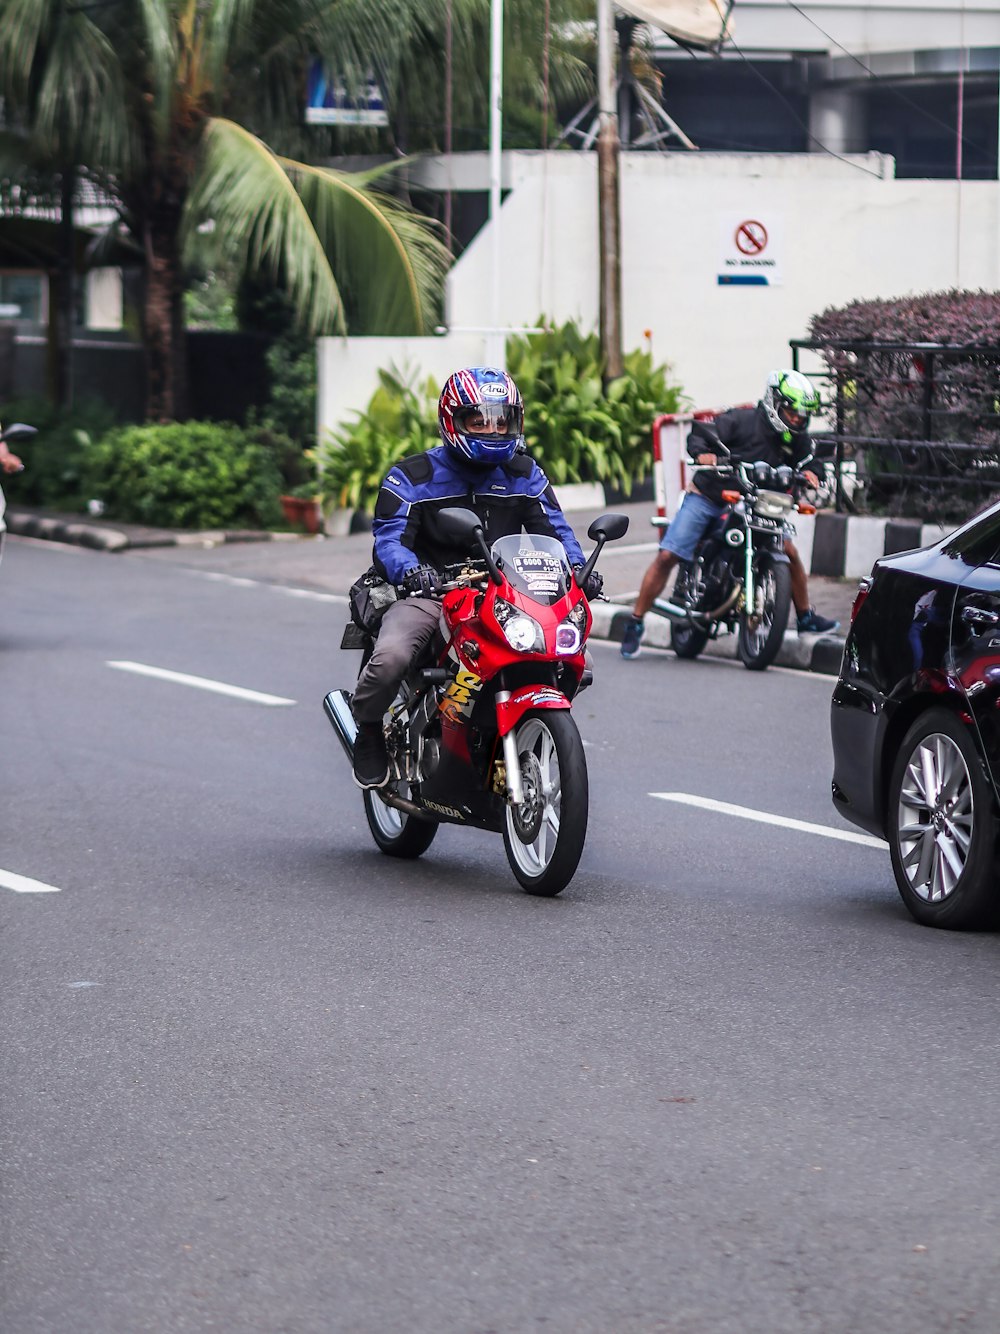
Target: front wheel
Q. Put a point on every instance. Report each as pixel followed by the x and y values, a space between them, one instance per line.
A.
pixel 942 826
pixel 397 834
pixel 762 626
pixel 544 836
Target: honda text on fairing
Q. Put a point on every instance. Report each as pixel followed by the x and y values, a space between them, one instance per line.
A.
pixel 16 431
pixel 739 578
pixel 482 733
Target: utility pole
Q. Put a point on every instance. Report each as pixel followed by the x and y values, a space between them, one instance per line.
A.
pixel 496 343
pixel 608 147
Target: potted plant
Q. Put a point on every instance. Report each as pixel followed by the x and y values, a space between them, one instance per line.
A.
pixel 302 504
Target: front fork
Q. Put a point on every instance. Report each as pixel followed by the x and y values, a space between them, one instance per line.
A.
pixel 749 592
pixel 511 759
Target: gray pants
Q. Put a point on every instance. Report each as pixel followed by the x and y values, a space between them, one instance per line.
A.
pixel 407 628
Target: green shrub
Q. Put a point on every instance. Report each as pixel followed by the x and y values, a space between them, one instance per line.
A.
pixel 574 428
pixel 54 460
pixel 398 421
pixel 196 474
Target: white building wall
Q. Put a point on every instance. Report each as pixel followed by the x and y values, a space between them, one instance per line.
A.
pixel 838 231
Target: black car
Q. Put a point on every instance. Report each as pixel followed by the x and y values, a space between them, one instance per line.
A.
pixel 916 722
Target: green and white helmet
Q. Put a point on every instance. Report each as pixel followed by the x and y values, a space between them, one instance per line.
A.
pixel 789 400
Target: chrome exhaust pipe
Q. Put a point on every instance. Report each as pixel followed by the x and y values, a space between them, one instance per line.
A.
pixel 338 710
pixel 673 612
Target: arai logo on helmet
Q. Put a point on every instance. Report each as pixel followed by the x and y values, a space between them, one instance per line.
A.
pixel 493 390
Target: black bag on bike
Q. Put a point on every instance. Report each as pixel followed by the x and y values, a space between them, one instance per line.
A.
pixel 370 596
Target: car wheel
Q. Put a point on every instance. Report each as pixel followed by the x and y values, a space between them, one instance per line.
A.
pixel 942 826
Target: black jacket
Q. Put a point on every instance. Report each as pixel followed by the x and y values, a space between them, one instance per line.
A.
pixel 750 438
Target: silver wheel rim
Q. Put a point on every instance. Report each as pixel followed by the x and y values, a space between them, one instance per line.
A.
pixel 935 818
pixel 388 819
pixel 543 796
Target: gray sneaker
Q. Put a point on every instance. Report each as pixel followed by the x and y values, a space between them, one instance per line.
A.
pixel 634 629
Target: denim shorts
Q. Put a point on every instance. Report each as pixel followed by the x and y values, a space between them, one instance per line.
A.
pixel 689 525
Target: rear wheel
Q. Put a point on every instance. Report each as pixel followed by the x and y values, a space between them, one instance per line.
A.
pixel 544 836
pixel 397 834
pixel 942 826
pixel 763 626
pixel 686 640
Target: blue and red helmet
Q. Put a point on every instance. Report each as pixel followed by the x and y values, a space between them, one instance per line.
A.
pixel 481 416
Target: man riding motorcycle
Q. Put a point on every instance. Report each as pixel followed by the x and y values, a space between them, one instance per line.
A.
pixel 482 465
pixel 774 432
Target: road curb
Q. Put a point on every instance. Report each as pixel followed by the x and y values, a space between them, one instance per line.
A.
pixel 808 653
pixel 99 537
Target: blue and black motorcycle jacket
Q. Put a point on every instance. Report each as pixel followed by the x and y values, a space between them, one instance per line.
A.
pixel 513 496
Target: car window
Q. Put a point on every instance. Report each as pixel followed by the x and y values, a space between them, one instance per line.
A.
pixel 978 542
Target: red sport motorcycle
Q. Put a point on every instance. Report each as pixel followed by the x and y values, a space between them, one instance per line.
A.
pixel 482 735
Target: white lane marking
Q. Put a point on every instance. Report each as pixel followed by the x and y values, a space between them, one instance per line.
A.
pixel 200 683
pixel 765 817
pixel 235 581
pixel 20 884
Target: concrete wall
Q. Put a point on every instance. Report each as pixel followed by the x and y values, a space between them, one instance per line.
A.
pixel 837 231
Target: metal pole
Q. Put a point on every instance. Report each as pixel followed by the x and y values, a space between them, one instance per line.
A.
pixel 496 350
pixel 448 58
pixel 607 189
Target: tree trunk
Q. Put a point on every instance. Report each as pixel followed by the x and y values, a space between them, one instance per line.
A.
pixel 163 318
pixel 61 298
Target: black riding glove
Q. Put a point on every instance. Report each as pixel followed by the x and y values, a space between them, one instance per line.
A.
pixel 422 581
pixel 592 585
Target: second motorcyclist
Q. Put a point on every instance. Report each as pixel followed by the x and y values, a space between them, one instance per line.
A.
pixel 774 432
pixel 481 464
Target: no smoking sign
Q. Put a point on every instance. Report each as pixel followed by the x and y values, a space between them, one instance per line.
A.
pixel 749 251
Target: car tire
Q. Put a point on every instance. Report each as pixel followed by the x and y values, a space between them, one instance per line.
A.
pixel 941 824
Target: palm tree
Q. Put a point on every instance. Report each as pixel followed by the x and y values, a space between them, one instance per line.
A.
pixel 182 107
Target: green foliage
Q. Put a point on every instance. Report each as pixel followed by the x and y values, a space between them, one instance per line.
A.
pixel 196 474
pixel 291 408
pixel 398 422
pixel 577 430
pixel 54 461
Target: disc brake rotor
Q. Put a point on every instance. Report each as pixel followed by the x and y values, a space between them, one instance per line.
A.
pixel 527 817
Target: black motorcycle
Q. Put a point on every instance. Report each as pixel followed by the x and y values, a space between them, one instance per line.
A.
pixel 739 579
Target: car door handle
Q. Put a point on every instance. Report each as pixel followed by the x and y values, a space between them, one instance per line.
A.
pixel 979 616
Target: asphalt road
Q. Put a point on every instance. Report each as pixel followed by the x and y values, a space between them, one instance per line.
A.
pixel 256 1076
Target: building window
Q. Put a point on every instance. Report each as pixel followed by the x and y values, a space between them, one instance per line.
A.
pixel 22 297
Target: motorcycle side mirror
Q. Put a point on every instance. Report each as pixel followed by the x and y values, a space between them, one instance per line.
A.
pixel 465 526
pixel 606 528
pixel 459 524
pixel 18 431
pixel 609 528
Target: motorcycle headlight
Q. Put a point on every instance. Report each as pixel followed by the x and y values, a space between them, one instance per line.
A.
pixel 521 632
pixel 569 633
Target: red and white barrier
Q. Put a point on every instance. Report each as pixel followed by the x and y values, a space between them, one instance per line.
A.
pixel 672 466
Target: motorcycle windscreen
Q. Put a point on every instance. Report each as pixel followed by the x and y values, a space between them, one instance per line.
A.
pixel 534 564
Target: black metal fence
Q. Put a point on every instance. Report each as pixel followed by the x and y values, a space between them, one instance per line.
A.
pixel 914 427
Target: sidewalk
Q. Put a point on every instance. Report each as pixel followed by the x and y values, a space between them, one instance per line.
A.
pixel 333 563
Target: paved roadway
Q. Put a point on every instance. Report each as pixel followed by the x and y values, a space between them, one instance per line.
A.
pixel 257 1077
